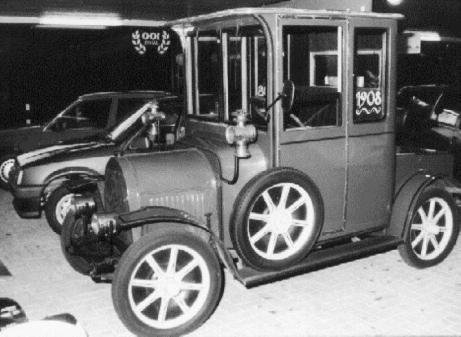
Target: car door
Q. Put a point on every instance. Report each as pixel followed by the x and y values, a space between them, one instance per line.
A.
pixel 339 131
pixel 313 136
pixel 370 130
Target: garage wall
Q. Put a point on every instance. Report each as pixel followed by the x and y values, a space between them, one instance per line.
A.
pixel 45 69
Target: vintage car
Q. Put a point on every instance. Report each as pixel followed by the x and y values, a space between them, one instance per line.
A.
pixel 430 118
pixel 89 115
pixel 41 179
pixel 288 163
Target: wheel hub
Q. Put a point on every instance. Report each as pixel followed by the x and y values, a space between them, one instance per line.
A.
pixel 281 221
pixel 431 228
pixel 169 287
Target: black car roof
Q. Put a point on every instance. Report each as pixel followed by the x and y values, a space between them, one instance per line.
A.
pixel 132 93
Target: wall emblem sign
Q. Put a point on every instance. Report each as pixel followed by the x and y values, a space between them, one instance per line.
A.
pixel 143 40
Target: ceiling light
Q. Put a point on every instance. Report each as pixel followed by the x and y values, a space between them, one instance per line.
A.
pixel 394 2
pixel 80 19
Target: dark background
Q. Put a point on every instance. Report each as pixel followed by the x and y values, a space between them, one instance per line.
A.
pixel 443 15
pixel 49 68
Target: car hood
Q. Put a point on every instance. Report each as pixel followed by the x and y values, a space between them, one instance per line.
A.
pixel 66 152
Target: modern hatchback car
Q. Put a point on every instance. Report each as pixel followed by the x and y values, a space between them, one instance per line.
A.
pixel 44 179
pixel 87 116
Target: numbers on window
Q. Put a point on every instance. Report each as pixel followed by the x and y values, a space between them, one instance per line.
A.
pixel 368 102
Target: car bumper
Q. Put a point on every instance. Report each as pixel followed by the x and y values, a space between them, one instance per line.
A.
pixel 27 201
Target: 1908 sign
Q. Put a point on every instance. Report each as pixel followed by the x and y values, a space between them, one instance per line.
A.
pixel 368 104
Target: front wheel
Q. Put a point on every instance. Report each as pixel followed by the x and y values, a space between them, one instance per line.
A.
pixel 433 229
pixel 168 283
pixel 6 165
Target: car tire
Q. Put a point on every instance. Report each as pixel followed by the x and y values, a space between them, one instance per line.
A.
pixel 57 206
pixel 95 252
pixel 277 219
pixel 160 262
pixel 432 231
pixel 6 164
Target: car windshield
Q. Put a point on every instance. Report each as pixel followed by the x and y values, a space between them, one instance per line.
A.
pixel 230 72
pixel 92 113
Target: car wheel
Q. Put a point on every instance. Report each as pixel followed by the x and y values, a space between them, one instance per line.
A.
pixel 432 231
pixel 57 206
pixel 277 219
pixel 168 283
pixel 80 256
pixel 6 164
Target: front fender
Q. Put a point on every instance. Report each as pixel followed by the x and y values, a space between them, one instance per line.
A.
pixel 82 184
pixel 159 215
pixel 406 198
pixel 74 173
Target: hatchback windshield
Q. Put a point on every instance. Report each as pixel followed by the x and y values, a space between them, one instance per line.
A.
pixel 83 114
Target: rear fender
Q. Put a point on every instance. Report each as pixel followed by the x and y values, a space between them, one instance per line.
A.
pixel 406 198
pixel 156 216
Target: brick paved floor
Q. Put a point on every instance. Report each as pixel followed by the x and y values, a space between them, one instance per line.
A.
pixel 379 295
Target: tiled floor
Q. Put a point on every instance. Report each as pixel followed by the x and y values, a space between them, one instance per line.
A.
pixel 379 295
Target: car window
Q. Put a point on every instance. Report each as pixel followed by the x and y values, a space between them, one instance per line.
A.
pixel 369 65
pixel 84 114
pixel 127 106
pixel 311 62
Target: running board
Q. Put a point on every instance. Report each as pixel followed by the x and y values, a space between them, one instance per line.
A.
pixel 322 258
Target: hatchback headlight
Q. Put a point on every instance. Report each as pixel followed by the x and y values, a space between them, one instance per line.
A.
pixel 20 174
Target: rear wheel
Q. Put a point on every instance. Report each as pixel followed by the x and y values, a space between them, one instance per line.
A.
pixel 277 219
pixel 433 230
pixel 167 283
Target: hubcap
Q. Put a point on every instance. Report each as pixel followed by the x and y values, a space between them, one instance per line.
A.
pixel 431 229
pixel 63 207
pixel 169 286
pixel 281 221
pixel 5 169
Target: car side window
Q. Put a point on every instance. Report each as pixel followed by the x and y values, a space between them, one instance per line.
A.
pixel 369 65
pixel 126 106
pixel 312 61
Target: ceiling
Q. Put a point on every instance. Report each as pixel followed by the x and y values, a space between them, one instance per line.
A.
pixel 441 14
pixel 158 10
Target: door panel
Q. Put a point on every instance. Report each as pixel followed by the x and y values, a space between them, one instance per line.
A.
pixel 313 139
pixel 371 144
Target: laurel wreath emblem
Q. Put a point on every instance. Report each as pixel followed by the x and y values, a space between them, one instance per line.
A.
pixel 138 46
pixel 163 47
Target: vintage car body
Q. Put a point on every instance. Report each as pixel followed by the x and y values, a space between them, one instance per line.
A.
pixel 42 179
pixel 89 115
pixel 288 163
